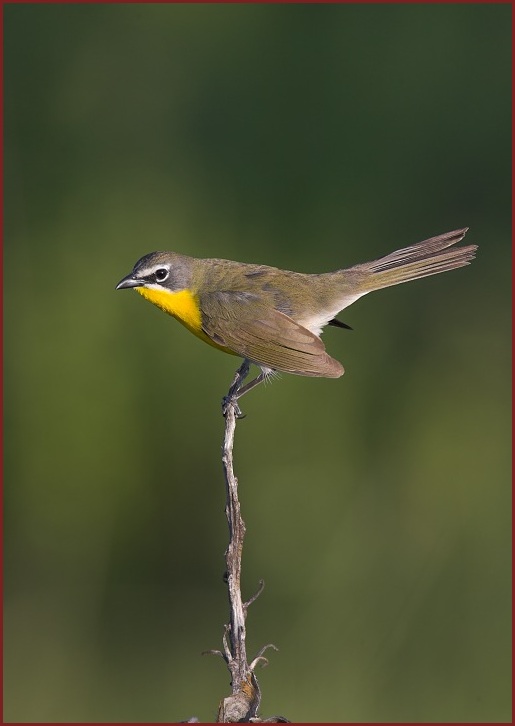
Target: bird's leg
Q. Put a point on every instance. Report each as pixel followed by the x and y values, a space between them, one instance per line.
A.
pixel 239 377
pixel 250 385
pixel 237 390
pixel 231 397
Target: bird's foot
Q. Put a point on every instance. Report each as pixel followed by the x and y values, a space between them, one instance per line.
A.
pixel 231 401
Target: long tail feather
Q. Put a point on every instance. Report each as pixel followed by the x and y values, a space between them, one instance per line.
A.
pixel 429 257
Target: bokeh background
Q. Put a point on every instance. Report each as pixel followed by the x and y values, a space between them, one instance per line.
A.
pixel 377 505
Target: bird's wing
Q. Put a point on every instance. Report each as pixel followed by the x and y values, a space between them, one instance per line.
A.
pixel 241 322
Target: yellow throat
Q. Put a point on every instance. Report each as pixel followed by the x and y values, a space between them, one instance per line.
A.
pixel 184 306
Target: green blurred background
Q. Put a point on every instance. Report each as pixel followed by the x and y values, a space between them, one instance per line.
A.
pixel 377 505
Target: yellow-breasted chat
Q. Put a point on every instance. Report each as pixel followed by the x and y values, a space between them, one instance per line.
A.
pixel 271 317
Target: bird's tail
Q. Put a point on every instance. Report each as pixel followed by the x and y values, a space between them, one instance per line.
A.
pixel 421 260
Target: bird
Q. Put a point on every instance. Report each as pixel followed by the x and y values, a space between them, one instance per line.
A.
pixel 271 317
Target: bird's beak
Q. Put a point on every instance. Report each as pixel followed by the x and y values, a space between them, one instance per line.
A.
pixel 129 281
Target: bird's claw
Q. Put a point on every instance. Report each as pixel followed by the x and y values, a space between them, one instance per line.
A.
pixel 231 402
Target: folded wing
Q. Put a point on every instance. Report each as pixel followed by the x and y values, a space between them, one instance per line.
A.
pixel 265 336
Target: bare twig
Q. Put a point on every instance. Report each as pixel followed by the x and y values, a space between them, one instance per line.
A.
pixel 243 703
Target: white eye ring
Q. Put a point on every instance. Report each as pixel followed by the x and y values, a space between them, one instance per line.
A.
pixel 161 274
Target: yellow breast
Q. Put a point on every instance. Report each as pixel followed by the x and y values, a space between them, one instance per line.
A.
pixel 185 307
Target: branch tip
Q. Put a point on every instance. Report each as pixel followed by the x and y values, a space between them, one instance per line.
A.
pixel 265 648
pixel 214 652
pixel 259 660
pixel 254 597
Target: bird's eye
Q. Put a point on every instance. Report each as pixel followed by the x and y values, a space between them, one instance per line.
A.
pixel 161 274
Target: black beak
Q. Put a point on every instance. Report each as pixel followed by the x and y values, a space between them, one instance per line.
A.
pixel 129 281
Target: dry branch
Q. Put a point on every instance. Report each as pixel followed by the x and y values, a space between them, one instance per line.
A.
pixel 243 703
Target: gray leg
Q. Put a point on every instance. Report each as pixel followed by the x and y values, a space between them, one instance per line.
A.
pixel 237 389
